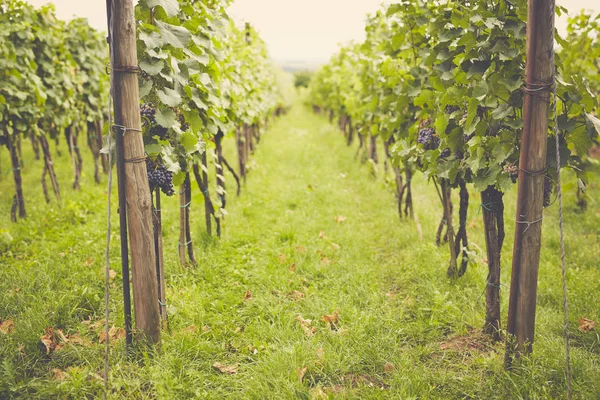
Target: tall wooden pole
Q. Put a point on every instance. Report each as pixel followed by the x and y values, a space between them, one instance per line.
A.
pixel 539 73
pixel 122 33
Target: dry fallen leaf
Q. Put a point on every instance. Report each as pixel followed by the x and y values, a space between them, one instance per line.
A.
pixel 335 246
pixel 248 295
pixel 586 325
pixel 388 367
pixel 296 295
pixel 301 372
pixel 282 258
pixel 190 329
pixel 112 274
pixel 59 375
pixel 293 267
pixel 226 369
pixel 89 262
pixel 7 326
pixel 325 260
pixel 331 319
pixel 300 249
pixel 114 334
pixel 322 235
pixel 48 341
pixel 340 219
pixel 306 325
pixel 321 353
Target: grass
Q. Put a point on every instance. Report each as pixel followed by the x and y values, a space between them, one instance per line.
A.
pixel 397 310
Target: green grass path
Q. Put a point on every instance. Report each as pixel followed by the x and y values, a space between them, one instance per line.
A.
pixel 313 234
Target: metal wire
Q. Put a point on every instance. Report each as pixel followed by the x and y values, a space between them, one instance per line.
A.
pixel 562 248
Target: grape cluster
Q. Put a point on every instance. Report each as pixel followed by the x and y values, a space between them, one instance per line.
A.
pixel 450 109
pixel 548 188
pixel 428 139
pixel 445 153
pixel 160 177
pixel 184 125
pixel 148 111
pixel 512 169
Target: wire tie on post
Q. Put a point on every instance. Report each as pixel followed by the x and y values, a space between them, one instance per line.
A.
pixel 529 223
pixel 206 192
pixel 124 129
pixel 126 68
pixel 161 303
pixel 136 159
pixel 187 205
pixel 185 244
pixel 535 173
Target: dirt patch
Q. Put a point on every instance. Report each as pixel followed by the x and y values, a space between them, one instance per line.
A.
pixel 474 340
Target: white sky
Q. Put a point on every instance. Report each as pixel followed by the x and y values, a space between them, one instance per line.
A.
pixel 299 30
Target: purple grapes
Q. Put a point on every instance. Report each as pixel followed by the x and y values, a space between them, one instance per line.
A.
pixel 428 138
pixel 160 177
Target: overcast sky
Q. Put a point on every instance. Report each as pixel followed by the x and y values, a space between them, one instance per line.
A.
pixel 303 30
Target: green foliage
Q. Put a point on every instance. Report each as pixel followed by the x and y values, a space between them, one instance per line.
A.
pixel 302 78
pixel 204 75
pixel 457 68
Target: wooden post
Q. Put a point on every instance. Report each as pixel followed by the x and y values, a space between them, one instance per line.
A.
pixel 528 230
pixel 122 31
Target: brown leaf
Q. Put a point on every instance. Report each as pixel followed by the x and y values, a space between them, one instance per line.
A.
pixel 300 249
pixel 325 260
pixel 112 274
pixel 293 267
pixel 321 353
pixel 226 369
pixel 59 375
pixel 301 372
pixel 335 246
pixel 48 341
pixel 586 325
pixel 248 295
pixel 114 334
pixel 296 295
pixel 388 367
pixel 190 329
pixel 322 235
pixel 7 326
pixel 306 325
pixel 89 262
pixel 282 258
pixel 332 319
pixel 205 328
pixel 340 218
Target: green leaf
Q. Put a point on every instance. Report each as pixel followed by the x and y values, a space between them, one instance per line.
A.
pixel 169 97
pixel 171 7
pixel 189 142
pixel 165 117
pixel 176 36
pixel 152 67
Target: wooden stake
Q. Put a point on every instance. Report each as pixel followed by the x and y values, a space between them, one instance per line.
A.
pixel 528 231
pixel 122 31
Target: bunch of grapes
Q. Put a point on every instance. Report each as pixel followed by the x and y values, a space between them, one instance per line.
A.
pixel 548 188
pixel 512 169
pixel 445 153
pixel 428 138
pixel 148 112
pixel 450 109
pixel 160 177
pixel 184 125
pixel 159 131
